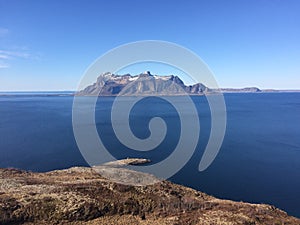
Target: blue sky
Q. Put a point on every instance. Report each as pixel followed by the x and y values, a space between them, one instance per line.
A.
pixel 48 45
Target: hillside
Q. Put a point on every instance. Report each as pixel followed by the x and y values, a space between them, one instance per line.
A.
pixel 81 195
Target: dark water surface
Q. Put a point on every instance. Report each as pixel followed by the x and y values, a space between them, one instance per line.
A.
pixel 259 160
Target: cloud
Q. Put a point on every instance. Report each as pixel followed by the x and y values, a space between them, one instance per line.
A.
pixel 3 32
pixel 2 56
pixel 12 54
pixel 8 55
pixel 3 65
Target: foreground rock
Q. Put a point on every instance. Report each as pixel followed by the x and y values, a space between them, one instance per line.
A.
pixel 81 195
pixel 126 162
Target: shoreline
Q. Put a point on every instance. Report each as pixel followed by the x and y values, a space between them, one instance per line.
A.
pixel 80 195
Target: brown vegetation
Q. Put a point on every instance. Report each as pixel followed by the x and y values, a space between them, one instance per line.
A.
pixel 82 196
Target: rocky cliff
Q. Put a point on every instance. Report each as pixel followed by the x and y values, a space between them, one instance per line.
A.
pixel 81 195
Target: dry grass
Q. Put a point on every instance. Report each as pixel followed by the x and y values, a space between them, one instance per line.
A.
pixel 82 196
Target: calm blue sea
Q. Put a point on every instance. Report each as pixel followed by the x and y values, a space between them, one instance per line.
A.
pixel 259 160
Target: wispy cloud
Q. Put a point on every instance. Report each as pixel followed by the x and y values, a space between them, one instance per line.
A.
pixel 8 55
pixel 16 54
pixel 3 32
pixel 3 65
pixel 2 56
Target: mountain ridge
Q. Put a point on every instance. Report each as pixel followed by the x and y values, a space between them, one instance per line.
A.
pixel 109 84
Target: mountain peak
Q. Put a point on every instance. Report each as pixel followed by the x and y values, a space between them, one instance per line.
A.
pixel 145 74
pixel 143 84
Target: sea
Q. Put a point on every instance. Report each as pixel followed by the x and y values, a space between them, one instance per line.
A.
pixel 258 162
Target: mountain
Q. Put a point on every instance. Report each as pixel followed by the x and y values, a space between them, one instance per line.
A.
pixel 108 84
pixel 80 195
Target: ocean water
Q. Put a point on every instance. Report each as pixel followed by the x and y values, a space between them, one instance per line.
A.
pixel 258 162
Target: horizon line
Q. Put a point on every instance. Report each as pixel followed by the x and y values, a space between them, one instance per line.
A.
pixel 57 90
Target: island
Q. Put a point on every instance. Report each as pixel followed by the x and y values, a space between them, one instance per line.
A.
pixel 109 84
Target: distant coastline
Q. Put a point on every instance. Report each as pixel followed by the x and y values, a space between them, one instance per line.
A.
pixel 37 93
pixel 72 93
pixel 147 84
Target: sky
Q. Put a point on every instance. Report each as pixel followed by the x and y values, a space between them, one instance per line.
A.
pixel 48 45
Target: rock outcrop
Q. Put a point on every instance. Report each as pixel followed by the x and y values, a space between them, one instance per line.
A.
pixel 81 195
